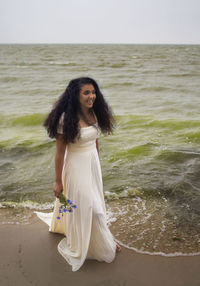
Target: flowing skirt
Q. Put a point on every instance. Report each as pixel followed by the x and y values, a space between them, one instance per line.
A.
pixel 86 230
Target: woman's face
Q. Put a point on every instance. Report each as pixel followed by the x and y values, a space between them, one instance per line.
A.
pixel 87 96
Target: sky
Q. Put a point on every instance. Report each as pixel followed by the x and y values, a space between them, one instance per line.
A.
pixel 100 21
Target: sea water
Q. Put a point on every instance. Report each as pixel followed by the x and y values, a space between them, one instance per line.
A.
pixel 150 165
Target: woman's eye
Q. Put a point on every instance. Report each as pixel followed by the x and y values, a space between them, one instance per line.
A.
pixel 86 92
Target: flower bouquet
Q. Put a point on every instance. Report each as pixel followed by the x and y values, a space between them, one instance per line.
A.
pixel 66 205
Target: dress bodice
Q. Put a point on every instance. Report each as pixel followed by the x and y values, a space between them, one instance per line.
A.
pixel 86 140
pixel 87 137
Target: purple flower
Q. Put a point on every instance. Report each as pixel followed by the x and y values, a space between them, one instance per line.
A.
pixel 66 205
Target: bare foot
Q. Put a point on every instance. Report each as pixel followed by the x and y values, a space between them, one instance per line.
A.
pixel 118 247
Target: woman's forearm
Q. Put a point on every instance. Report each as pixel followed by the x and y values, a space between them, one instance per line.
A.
pixel 59 159
pixel 97 146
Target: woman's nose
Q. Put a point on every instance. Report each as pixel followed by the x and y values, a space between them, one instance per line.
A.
pixel 91 94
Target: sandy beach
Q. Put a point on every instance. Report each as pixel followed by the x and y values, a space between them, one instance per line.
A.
pixel 29 256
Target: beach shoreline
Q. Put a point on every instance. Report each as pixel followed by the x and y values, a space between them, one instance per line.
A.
pixel 29 256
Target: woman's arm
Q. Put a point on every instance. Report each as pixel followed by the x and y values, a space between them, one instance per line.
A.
pixel 97 146
pixel 59 159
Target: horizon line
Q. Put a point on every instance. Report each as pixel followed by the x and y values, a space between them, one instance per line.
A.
pixel 95 43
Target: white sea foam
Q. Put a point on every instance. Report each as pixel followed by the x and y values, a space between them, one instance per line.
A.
pixel 27 204
pixel 137 227
pixel 157 253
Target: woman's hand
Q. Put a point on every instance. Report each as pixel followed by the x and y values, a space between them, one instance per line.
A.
pixel 57 188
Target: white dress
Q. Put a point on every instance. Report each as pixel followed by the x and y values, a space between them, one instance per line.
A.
pixel 86 230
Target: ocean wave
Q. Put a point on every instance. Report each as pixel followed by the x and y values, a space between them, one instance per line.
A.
pixel 57 63
pixel 136 151
pixel 27 204
pixel 160 253
pixel 155 88
pixel 132 121
pixel 106 65
pixel 6 166
pixel 174 124
pixel 144 226
pixel 22 120
pixel 118 65
pixel 186 74
pixel 177 156
pixel 118 84
pixel 23 64
pixel 14 147
pixel 28 120
pixel 193 137
pixel 10 79
pixel 126 121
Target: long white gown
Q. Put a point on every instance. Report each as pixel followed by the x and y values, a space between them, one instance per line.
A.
pixel 86 230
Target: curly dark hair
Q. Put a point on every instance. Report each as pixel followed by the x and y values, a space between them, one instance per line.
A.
pixel 69 103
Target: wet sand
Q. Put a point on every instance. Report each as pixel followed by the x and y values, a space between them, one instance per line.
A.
pixel 29 256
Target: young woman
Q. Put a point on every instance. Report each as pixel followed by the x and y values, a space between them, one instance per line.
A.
pixel 75 121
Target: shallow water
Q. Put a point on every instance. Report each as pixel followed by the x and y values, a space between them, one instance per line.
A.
pixel 151 164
